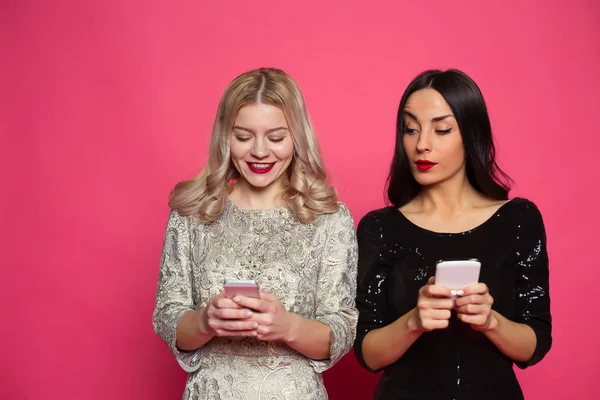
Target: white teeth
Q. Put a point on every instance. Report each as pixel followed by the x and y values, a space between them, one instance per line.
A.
pixel 260 166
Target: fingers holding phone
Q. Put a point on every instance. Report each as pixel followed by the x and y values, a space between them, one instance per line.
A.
pixel 473 302
pixel 474 307
pixel 434 307
pixel 436 299
pixel 275 323
pixel 226 317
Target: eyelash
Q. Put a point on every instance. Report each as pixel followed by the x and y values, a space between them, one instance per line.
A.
pixel 245 139
pixel 413 131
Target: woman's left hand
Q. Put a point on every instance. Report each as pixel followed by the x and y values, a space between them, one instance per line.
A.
pixel 474 307
pixel 275 323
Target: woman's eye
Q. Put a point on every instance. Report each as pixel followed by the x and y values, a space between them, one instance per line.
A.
pixel 443 131
pixel 276 140
pixel 409 131
pixel 242 138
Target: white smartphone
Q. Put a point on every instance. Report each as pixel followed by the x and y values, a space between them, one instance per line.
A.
pixel 236 287
pixel 457 274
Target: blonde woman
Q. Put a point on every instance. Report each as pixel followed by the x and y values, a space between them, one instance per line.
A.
pixel 260 210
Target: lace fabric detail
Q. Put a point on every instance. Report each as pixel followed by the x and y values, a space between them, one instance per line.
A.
pixel 311 268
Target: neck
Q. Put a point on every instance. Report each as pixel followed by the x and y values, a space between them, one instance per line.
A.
pixel 247 196
pixel 448 197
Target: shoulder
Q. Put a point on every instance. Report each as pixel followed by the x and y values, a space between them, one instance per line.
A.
pixel 341 217
pixel 375 218
pixel 184 222
pixel 336 230
pixel 525 216
pixel 343 211
pixel 525 209
pixel 176 219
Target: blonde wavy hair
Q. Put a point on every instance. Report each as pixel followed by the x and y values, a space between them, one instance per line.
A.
pixel 307 192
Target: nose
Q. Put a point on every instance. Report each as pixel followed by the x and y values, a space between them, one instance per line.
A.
pixel 424 142
pixel 260 148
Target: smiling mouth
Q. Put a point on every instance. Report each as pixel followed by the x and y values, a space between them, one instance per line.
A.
pixel 260 168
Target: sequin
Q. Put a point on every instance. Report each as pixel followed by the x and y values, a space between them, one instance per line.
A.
pixel 397 257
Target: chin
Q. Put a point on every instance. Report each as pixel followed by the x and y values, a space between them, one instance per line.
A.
pixel 427 181
pixel 261 182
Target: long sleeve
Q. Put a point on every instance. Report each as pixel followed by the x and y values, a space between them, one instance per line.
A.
pixel 372 282
pixel 532 289
pixel 174 293
pixel 336 289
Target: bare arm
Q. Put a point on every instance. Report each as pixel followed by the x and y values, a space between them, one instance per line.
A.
pixel 384 346
pixel 306 336
pixel 221 317
pixel 309 337
pixel 527 339
pixel 192 330
pixel 516 341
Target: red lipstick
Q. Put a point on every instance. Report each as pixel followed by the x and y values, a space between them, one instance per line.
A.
pixel 260 168
pixel 425 165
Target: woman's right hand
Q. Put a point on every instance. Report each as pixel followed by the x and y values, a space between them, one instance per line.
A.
pixel 226 318
pixel 434 307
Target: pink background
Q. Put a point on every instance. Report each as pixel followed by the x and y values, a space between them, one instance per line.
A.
pixel 105 105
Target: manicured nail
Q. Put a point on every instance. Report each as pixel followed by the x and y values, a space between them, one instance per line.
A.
pixel 236 299
pixel 460 292
pixel 248 313
pixel 255 325
pixel 453 292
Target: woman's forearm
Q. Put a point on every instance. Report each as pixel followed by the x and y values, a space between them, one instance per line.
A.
pixel 382 347
pixel 192 330
pixel 309 337
pixel 516 341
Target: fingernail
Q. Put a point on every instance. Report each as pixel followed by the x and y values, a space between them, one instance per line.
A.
pixel 460 292
pixel 236 299
pixel 255 325
pixel 254 333
pixel 453 292
pixel 248 313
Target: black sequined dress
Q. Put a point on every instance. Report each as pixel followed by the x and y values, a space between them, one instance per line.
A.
pixel 396 258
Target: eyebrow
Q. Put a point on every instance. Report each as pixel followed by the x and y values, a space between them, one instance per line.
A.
pixel 436 119
pixel 241 128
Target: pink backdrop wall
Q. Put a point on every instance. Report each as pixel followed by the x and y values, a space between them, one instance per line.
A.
pixel 106 105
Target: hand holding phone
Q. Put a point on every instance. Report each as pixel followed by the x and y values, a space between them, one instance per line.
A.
pixel 433 309
pixel 436 301
pixel 275 323
pixel 225 316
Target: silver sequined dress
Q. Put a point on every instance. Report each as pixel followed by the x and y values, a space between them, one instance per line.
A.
pixel 311 268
